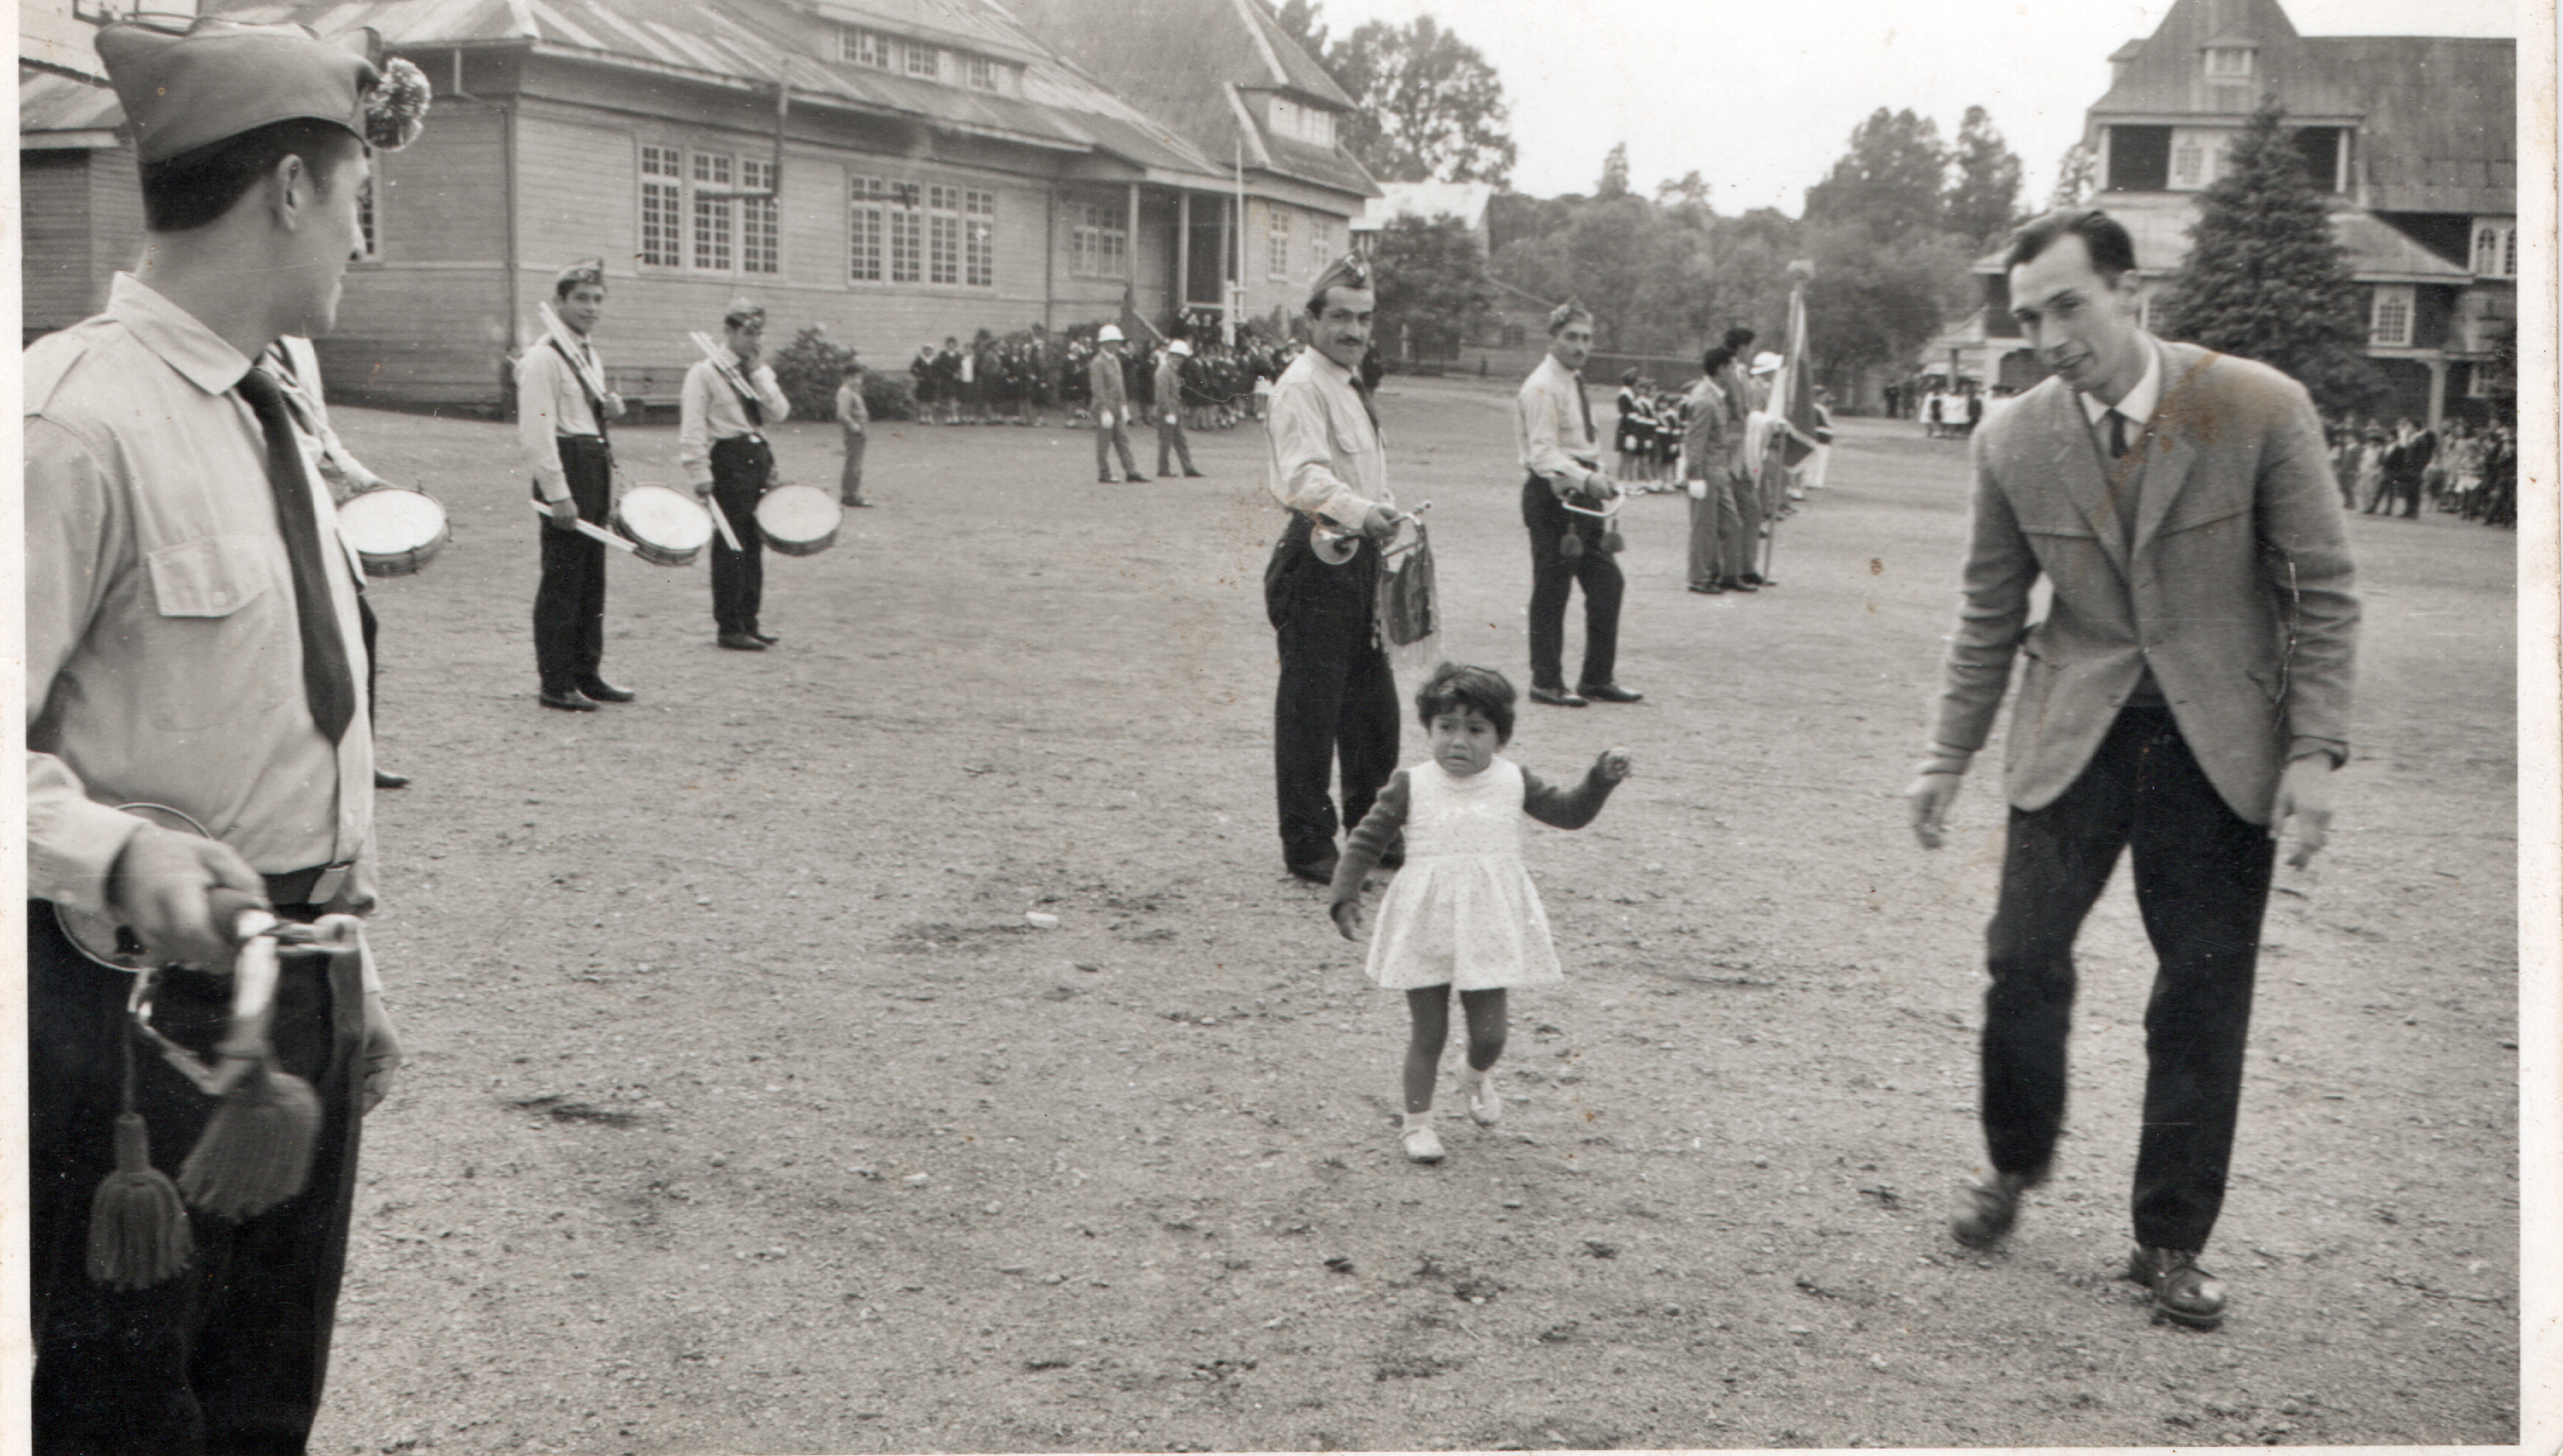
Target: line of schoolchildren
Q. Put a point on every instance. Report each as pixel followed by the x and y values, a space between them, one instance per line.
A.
pixel 1021 377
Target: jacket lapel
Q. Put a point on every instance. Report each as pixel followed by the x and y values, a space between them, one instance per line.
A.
pixel 2174 432
pixel 2086 480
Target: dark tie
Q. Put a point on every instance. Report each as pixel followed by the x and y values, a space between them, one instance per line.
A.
pixel 328 682
pixel 2117 435
pixel 1368 408
pixel 1584 403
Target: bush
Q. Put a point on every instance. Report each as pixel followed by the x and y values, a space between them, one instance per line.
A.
pixel 809 369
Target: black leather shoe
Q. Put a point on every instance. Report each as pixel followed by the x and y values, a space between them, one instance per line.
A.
pixel 1138 477
pixel 1608 692
pixel 1555 698
pixel 1990 1210
pixel 1319 871
pixel 2183 1293
pixel 768 638
pixel 605 692
pixel 740 642
pixel 1194 474
pixel 572 701
pixel 385 778
pixel 1738 584
pixel 1708 588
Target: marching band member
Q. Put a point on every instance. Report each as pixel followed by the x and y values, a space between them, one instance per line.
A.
pixel 192 641
pixel 729 398
pixel 562 405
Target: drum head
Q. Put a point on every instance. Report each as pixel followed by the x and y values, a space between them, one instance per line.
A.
pixel 658 516
pixel 798 516
pixel 391 522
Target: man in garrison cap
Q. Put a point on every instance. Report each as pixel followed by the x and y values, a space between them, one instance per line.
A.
pixel 1334 709
pixel 729 399
pixel 193 645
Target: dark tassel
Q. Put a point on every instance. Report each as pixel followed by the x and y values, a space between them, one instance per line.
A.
pixel 137 1234
pixel 255 1150
pixel 1571 545
pixel 1611 543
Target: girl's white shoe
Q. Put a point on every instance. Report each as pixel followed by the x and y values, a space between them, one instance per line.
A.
pixel 1485 1104
pixel 1423 1145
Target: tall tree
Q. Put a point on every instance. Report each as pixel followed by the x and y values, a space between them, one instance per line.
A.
pixel 1888 181
pixel 1985 196
pixel 1304 20
pixel 2266 279
pixel 1432 287
pixel 2077 177
pixel 1615 174
pixel 1425 104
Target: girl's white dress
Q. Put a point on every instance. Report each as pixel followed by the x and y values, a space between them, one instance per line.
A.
pixel 1462 911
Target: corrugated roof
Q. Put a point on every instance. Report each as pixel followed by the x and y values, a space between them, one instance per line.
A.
pixel 49 102
pixel 2380 252
pixel 2441 134
pixel 757 41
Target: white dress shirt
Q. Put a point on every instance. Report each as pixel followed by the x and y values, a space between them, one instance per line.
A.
pixel 1327 458
pixel 709 408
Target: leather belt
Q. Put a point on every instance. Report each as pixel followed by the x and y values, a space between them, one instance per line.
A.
pixel 317 885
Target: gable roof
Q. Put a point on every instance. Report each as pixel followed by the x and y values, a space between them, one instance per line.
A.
pixel 757 42
pixel 2441 134
pixel 2165 77
pixel 1191 64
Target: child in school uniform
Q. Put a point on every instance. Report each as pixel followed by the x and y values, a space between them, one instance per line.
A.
pixel 852 419
pixel 1461 913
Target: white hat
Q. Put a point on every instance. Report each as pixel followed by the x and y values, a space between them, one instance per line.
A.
pixel 1766 362
pixel 1180 346
pixel 1112 334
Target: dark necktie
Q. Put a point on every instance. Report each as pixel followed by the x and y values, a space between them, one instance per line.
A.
pixel 328 680
pixel 1584 402
pixel 1368 408
pixel 2117 435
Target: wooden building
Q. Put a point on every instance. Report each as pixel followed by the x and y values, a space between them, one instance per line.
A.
pixel 894 171
pixel 1226 78
pixel 2412 140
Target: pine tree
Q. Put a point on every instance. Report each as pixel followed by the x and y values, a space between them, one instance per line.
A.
pixel 2265 278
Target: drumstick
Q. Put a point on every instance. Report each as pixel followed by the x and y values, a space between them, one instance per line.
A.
pixel 720 519
pixel 589 528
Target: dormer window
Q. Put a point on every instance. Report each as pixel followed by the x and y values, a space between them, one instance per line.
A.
pixel 1300 122
pixel 2228 63
pixel 864 47
pixel 979 73
pixel 923 62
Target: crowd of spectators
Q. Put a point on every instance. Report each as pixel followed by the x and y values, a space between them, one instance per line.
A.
pixel 2464 467
pixel 1023 377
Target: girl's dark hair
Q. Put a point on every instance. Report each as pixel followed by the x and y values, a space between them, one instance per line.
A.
pixel 195 189
pixel 1457 685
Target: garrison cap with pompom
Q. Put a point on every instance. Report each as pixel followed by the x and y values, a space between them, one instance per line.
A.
pixel 1567 313
pixel 183 90
pixel 585 270
pixel 1347 271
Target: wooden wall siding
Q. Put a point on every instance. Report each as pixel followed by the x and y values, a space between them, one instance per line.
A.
pixel 416 336
pixel 439 200
pixel 58 271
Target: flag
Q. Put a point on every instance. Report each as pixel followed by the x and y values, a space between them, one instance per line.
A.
pixel 1793 392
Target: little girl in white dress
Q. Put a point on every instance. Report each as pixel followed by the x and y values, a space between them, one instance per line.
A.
pixel 1462 913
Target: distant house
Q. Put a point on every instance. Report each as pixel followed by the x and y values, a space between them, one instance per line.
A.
pixel 894 170
pixel 1465 201
pixel 2411 138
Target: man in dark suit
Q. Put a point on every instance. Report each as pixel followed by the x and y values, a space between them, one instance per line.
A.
pixel 2185 698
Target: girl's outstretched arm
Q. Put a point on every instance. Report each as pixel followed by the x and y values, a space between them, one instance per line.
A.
pixel 1573 808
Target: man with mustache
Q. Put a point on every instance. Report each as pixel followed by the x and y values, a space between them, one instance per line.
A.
pixel 2185 700
pixel 1337 702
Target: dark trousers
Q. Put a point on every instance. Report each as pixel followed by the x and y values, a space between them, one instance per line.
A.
pixel 228 1356
pixel 1116 437
pixel 2202 880
pixel 741 468
pixel 1170 437
pixel 1553 576
pixel 569 605
pixel 1334 709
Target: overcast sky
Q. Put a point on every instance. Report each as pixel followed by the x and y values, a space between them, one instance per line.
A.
pixel 1761 96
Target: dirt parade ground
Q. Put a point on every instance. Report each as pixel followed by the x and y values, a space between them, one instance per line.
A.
pixel 907 1039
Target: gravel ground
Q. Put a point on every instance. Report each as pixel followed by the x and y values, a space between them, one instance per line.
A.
pixel 748 1111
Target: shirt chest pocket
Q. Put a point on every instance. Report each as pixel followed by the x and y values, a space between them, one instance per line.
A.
pixel 226 645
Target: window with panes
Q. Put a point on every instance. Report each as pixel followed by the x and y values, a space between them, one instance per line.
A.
pixel 1277 243
pixel 662 206
pixel 760 219
pixel 712 215
pixel 1098 240
pixel 979 255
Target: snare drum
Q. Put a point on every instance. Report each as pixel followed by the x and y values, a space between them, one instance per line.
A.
pixel 667 528
pixel 394 532
pixel 798 520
